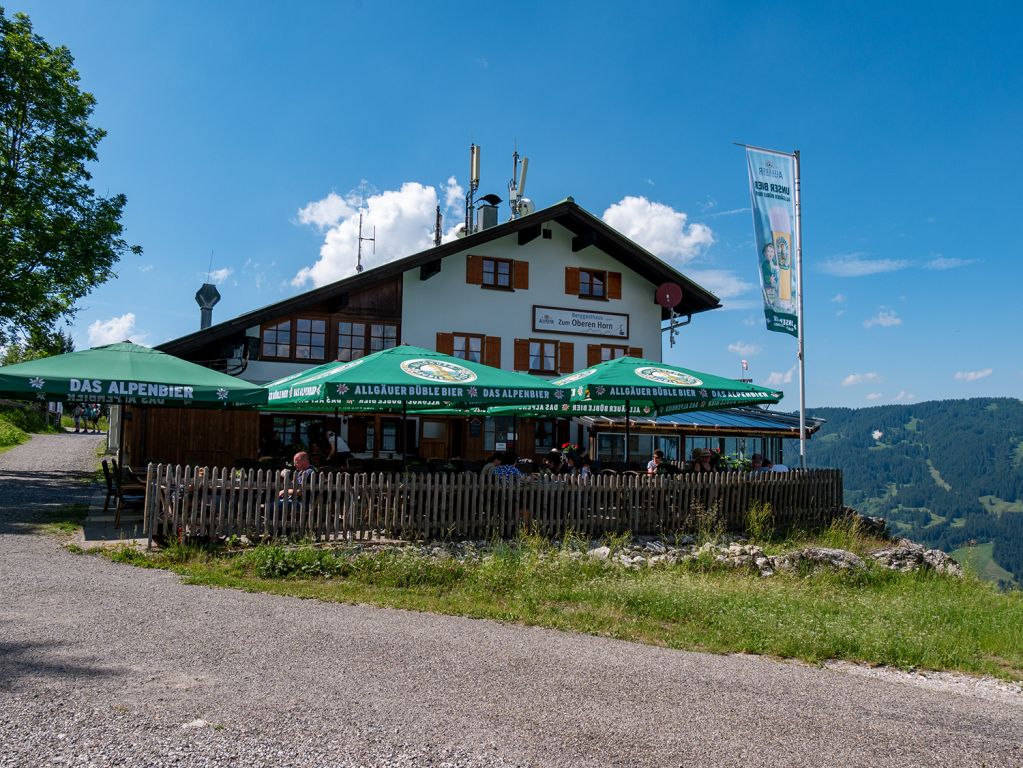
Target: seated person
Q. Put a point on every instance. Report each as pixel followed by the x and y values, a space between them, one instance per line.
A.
pixel 577 466
pixel 758 463
pixel 701 461
pixel 492 462
pixel 653 466
pixel 339 452
pixel 554 463
pixel 304 471
pixel 505 466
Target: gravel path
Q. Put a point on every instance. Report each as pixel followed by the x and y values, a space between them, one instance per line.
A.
pixel 103 664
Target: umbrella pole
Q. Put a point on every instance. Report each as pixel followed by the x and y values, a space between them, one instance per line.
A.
pixel 626 435
pixel 120 452
pixel 404 436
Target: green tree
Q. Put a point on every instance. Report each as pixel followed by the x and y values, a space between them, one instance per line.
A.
pixel 58 238
pixel 37 344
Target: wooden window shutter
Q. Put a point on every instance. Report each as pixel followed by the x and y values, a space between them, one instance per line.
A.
pixel 520 275
pixel 635 351
pixel 572 281
pixel 446 343
pixel 614 285
pixel 566 357
pixel 492 351
pixel 592 354
pixel 521 354
pixel 474 270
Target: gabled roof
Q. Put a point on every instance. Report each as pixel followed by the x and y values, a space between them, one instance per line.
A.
pixel 586 228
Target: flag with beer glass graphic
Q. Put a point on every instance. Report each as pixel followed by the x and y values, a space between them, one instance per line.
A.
pixel 771 179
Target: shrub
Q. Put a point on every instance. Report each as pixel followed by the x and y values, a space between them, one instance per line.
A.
pixel 760 521
pixel 11 435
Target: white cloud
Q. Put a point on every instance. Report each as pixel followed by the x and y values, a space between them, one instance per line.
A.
pixel 218 276
pixel 327 212
pixel 858 378
pixel 751 321
pixel 855 265
pixel 838 298
pixel 777 378
pixel 903 395
pixel 659 228
pixel 744 349
pixel 872 396
pixel 147 268
pixel 454 195
pixel 723 283
pixel 729 212
pixel 114 330
pixel 973 375
pixel 885 318
pixel 404 220
pixel 942 263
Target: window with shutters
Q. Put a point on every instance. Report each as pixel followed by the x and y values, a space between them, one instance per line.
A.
pixel 543 357
pixel 497 273
pixel 592 284
pixel 612 352
pixel 468 346
pixel 296 338
pixel 600 353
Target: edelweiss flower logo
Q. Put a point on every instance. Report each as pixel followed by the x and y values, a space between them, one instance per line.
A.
pixel 472 391
pixel 37 383
pixel 222 394
pixel 342 389
pixel 601 390
pixel 40 396
pixel 559 394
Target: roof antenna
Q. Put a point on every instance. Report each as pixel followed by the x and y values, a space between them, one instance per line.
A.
pixel 474 184
pixel 520 205
pixel 437 227
pixel 358 264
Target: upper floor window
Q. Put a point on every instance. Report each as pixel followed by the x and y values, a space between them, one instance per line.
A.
pixel 600 353
pixel 468 347
pixel 277 340
pixel 310 338
pixel 355 340
pixel 592 283
pixel 501 274
pixel 297 338
pixel 497 273
pixel 543 356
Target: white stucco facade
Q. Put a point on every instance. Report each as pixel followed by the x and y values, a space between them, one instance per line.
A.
pixel 446 303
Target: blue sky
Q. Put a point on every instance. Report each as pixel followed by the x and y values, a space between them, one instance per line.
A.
pixel 256 131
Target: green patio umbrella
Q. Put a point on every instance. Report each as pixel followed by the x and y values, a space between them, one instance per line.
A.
pixel 127 374
pixel 407 378
pixel 633 384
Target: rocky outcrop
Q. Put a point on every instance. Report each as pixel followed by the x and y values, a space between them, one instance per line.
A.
pixel 907 555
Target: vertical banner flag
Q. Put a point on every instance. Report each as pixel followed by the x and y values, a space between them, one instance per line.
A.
pixel 771 178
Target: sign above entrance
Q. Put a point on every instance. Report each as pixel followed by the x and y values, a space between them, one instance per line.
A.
pixel 581 322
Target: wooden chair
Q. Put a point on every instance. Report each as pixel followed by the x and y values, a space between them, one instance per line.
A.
pixel 131 496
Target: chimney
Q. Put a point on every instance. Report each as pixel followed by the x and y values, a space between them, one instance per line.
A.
pixel 207 298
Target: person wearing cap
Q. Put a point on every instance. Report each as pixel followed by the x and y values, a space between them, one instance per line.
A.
pixel 701 461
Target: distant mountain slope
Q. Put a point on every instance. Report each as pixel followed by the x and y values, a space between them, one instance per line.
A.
pixel 947 473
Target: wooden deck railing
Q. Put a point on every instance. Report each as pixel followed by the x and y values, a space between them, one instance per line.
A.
pixel 210 502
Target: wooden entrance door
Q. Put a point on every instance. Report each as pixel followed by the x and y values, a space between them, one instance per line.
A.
pixel 435 439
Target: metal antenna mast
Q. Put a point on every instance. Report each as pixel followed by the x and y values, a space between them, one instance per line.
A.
pixel 474 184
pixel 358 265
pixel 437 227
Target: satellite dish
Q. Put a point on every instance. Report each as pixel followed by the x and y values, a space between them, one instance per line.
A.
pixel 668 295
pixel 526 206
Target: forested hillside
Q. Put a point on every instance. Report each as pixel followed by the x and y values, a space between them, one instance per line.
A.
pixel 946 473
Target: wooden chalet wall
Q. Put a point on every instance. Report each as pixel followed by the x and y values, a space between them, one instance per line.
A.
pixel 190 436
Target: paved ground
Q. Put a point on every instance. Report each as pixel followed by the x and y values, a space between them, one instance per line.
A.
pixel 105 664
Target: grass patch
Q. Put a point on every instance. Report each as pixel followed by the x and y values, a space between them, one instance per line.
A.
pixel 979 560
pixel 877 616
pixel 61 521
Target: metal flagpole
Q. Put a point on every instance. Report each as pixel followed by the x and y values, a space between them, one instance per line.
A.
pixel 799 317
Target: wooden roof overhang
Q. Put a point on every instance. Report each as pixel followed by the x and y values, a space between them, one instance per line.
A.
pixel 586 228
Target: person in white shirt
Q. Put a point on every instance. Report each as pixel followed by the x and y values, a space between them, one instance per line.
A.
pixel 339 452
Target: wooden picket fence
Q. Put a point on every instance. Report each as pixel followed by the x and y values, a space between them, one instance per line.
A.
pixel 210 502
